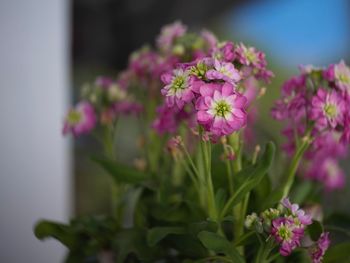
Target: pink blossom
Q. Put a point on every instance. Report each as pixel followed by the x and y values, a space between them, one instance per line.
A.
pixel 327 109
pixel 147 65
pixel 80 120
pixel 177 90
pixel 221 111
pixel 328 172
pixel 104 82
pixel 169 118
pixel 224 71
pixel 287 233
pixel 319 249
pixel 345 137
pixel 295 211
pixel 251 86
pixel 342 76
pixel 293 102
pixel 224 52
pixel 328 73
pixel 168 35
pixel 209 38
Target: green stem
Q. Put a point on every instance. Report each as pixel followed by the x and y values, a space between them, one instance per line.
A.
pixel 189 159
pixel 206 155
pixel 191 174
pixel 264 251
pixel 294 165
pixel 273 257
pixel 235 142
pixel 109 150
pixel 229 170
pixel 240 209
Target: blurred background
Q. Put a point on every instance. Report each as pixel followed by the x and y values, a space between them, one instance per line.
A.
pixel 50 48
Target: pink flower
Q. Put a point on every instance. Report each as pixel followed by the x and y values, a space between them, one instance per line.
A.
pixel 293 101
pixel 103 82
pixel 328 73
pixel 168 119
pixel 345 137
pixel 296 212
pixel 319 249
pixel 224 71
pixel 80 120
pixel 255 60
pixel 224 52
pixel 342 76
pixel 287 234
pixel 328 172
pixel 147 65
pixel 165 121
pixel 327 109
pixel 251 86
pixel 178 89
pixel 168 35
pixel 247 55
pixel 221 111
pixel 209 38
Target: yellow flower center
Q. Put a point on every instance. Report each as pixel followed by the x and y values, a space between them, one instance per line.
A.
pixel 74 117
pixel 330 110
pixel 222 108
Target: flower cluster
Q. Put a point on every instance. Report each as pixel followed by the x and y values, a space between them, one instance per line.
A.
pixel 289 228
pixel 314 106
pixel 101 103
pixel 191 77
pixel 287 225
pixel 216 83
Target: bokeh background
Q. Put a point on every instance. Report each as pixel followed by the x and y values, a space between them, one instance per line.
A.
pixel 50 48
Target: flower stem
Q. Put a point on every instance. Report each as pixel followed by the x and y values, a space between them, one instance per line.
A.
pixel 304 145
pixel 264 251
pixel 205 147
pixel 109 150
pixel 229 169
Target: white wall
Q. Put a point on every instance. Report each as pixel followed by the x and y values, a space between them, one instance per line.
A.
pixel 34 159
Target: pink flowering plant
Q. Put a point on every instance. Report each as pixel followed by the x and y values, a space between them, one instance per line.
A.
pixel 201 189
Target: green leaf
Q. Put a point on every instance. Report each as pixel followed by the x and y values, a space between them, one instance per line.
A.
pixel 338 219
pixel 187 246
pixel 315 230
pixel 245 239
pixel 273 198
pixel 45 229
pixel 121 173
pixel 253 178
pixel 156 234
pixel 133 241
pixel 220 198
pixel 338 253
pixel 195 228
pixel 301 192
pixel 219 244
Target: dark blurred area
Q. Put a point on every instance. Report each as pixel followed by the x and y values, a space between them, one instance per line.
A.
pixel 105 32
